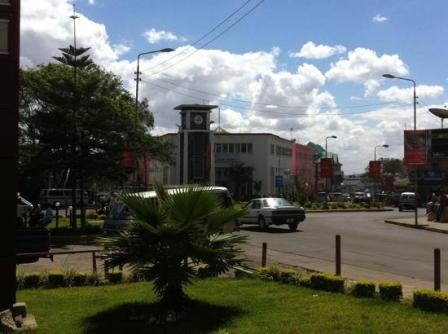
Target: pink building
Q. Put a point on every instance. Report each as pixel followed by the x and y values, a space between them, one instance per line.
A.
pixel 302 166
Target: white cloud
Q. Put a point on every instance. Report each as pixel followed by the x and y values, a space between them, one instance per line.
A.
pixel 395 94
pixel 378 18
pixel 46 26
pixel 366 67
pixel 312 51
pixel 155 36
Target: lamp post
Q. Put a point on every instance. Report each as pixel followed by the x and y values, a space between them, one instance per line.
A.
pixel 326 155
pixel 390 76
pixel 374 152
pixel 138 70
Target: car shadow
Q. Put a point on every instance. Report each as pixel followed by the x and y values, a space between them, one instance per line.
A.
pixel 141 317
pixel 271 229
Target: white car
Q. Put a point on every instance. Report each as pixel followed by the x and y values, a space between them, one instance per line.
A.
pixel 273 211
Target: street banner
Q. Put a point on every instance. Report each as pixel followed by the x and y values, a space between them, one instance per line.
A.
pixel 415 147
pixel 375 169
pixel 127 159
pixel 326 167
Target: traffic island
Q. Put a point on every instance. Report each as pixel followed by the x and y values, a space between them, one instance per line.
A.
pixel 424 224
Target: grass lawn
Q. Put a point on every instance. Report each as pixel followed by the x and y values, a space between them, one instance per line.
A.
pixel 224 306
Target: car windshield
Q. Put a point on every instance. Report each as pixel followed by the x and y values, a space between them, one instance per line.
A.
pixel 275 202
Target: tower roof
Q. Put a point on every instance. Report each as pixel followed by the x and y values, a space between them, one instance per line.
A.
pixel 205 107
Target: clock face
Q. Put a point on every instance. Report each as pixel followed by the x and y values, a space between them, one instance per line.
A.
pixel 198 119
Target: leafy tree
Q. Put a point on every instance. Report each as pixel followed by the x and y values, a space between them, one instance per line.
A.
pixel 392 166
pixel 171 236
pixel 241 175
pixel 103 113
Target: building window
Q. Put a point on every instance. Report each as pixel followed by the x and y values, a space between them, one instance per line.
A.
pixel 249 148
pixel 218 171
pixel 243 148
pixel 272 148
pixel 225 148
pixel 4 36
pixel 231 148
pixel 218 148
pixel 237 148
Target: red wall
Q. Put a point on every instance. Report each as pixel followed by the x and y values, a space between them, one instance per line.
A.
pixel 302 165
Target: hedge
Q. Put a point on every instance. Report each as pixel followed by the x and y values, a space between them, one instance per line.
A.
pixel 363 289
pixel 429 300
pixel 327 282
pixel 391 291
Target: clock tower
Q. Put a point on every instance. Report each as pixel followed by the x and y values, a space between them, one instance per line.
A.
pixel 195 142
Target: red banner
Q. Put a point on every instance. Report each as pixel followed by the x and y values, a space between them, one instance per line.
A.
pixel 326 167
pixel 127 159
pixel 375 169
pixel 415 147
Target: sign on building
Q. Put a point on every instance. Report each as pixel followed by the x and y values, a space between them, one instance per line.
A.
pixel 439 144
pixel 279 181
pixel 326 167
pixel 415 147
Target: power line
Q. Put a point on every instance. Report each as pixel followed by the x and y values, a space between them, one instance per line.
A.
pixel 272 112
pixel 267 104
pixel 212 40
pixel 205 35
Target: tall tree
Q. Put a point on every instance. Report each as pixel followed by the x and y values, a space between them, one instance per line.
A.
pixel 105 118
pixel 241 175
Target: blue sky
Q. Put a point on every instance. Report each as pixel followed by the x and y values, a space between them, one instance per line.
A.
pixel 301 65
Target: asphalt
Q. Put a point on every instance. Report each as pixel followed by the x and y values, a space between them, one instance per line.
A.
pixel 252 250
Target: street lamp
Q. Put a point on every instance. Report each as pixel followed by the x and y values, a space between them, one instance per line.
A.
pixel 390 76
pixel 374 152
pixel 138 70
pixel 326 155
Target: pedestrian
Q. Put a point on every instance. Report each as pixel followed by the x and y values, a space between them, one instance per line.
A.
pixel 35 215
pixel 48 216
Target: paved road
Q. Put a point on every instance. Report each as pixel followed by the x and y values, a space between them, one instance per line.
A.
pixel 368 244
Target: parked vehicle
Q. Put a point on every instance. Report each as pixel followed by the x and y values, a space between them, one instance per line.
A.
pixel 361 196
pixel 61 196
pixel 322 196
pixel 406 201
pixel 119 216
pixel 273 211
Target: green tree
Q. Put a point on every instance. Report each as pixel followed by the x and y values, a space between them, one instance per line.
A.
pixel 392 166
pixel 171 236
pixel 106 121
pixel 241 175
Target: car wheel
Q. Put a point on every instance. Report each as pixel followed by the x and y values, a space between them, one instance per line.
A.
pixel 293 226
pixel 262 223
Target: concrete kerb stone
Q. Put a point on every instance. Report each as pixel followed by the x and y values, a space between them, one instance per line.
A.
pixel 425 227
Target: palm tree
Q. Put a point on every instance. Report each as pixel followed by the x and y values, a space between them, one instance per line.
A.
pixel 171 236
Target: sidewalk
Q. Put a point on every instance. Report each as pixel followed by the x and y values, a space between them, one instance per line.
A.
pixel 423 224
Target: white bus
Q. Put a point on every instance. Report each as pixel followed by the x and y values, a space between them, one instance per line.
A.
pixel 119 216
pixel 61 196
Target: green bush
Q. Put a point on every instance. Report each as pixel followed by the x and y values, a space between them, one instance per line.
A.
pixel 287 275
pixel 31 280
pixel 327 282
pixel 56 279
pixel 429 300
pixel 92 215
pixel 391 291
pixel 324 206
pixel 79 278
pixel 342 205
pixel 315 206
pixel 115 277
pixel 334 206
pixel 94 279
pixel 303 280
pixel 363 289
pixel 271 272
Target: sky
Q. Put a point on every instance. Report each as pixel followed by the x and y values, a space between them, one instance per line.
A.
pixel 300 69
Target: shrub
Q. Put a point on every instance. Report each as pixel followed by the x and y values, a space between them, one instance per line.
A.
pixel 115 277
pixel 324 206
pixel 433 301
pixel 287 275
pixel 303 280
pixel 92 215
pixel 391 291
pixel 327 282
pixel 56 279
pixel 341 205
pixel 363 289
pixel 333 206
pixel 31 280
pixel 274 272
pixel 94 279
pixel 79 278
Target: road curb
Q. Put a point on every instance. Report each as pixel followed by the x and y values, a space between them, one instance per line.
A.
pixel 348 210
pixel 418 227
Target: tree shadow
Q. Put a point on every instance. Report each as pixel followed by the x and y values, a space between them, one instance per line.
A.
pixel 140 317
pixel 271 229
